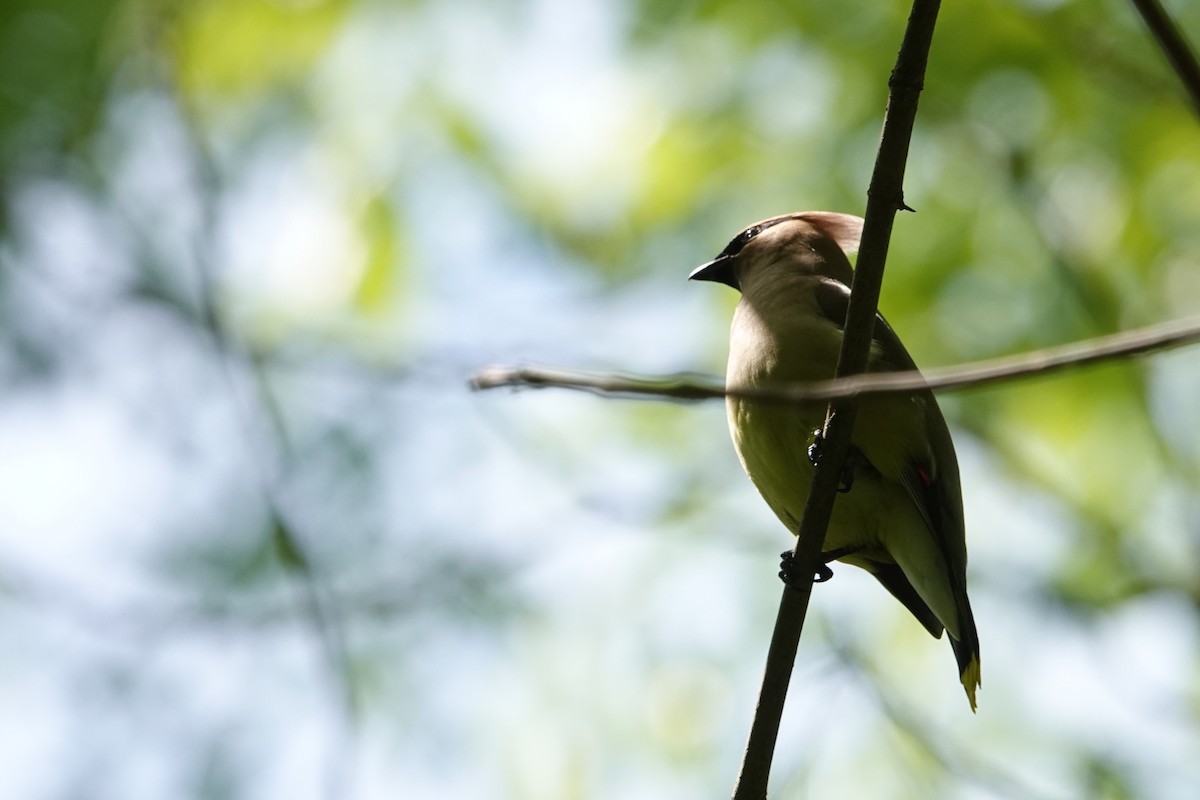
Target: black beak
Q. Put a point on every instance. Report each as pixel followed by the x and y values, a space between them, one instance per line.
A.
pixel 720 270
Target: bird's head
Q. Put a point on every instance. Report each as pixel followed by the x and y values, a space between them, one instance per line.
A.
pixel 808 242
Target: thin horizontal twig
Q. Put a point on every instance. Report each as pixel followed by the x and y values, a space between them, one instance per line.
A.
pixel 693 387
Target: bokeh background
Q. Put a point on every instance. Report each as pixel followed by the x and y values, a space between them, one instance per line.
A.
pixel 259 540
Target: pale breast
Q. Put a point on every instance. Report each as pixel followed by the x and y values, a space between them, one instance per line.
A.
pixel 772 439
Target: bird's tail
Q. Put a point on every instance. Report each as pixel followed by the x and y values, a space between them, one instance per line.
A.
pixel 966 650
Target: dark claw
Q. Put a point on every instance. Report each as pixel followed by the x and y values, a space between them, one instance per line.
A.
pixel 787 570
pixel 787 564
pixel 814 449
pixel 846 481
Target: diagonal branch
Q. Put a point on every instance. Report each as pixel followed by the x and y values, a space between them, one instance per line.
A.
pixel 1140 341
pixel 1174 46
pixel 885 197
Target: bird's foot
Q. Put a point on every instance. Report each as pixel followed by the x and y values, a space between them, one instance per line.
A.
pixel 787 566
pixel 853 459
pixel 787 571
pixel 814 449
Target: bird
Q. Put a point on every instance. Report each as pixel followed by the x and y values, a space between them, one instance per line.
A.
pixel 901 515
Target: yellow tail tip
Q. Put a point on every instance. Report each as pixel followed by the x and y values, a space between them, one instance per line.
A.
pixel 970 680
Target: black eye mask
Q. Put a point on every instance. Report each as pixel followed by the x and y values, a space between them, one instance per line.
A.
pixel 742 239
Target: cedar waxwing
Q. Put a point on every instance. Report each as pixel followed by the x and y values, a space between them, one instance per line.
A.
pixel 901 516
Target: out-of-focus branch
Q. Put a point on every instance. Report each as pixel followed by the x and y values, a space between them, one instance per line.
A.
pixel 270 448
pixel 690 387
pixel 1174 46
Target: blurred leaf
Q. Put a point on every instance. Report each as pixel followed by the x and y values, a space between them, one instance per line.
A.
pixel 377 289
pixel 287 547
pixel 53 77
pixel 1097 577
pixel 1107 780
pixel 238 47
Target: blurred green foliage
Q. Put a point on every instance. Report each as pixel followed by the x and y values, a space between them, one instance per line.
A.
pixel 55 72
pixel 249 249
